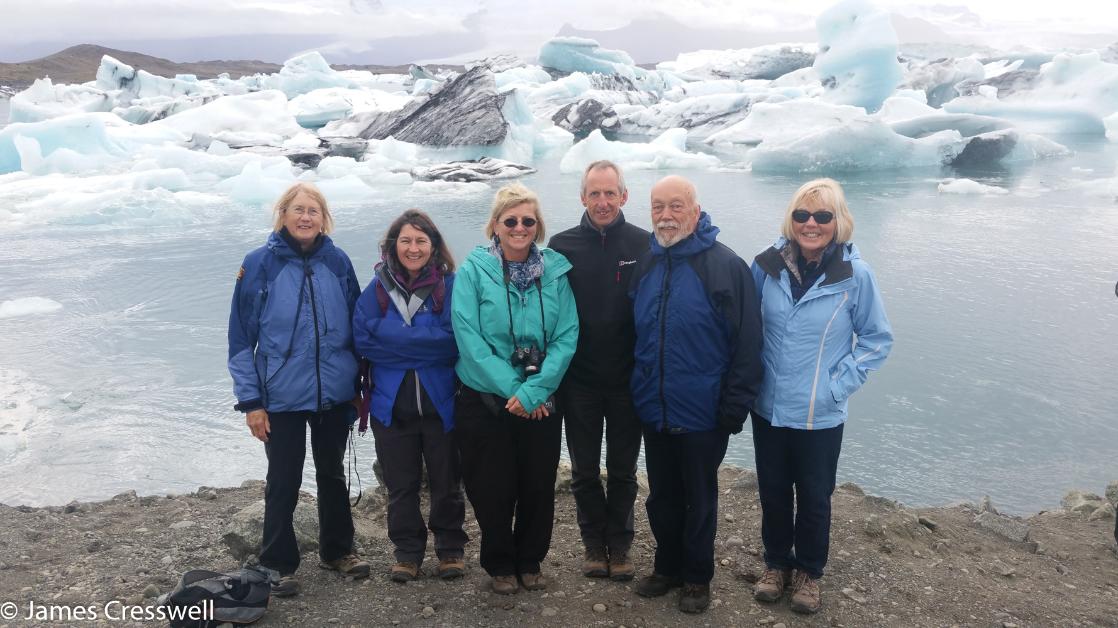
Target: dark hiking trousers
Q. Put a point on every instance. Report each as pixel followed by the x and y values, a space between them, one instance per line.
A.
pixel 403 448
pixel 682 500
pixel 605 517
pixel 508 465
pixel 286 450
pixel 796 525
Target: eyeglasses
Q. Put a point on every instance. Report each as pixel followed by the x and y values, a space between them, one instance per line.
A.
pixel 511 221
pixel 821 217
pixel 310 211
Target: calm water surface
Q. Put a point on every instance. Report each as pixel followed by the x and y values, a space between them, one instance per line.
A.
pixel 1001 381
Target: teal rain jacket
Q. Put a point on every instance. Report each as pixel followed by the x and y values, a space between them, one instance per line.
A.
pixel 480 316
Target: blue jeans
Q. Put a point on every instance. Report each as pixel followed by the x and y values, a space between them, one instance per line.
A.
pixel 796 526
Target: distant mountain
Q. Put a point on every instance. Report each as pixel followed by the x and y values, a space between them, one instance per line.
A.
pixel 78 64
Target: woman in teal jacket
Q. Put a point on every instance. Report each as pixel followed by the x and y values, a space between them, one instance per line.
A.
pixel 824 329
pixel 516 326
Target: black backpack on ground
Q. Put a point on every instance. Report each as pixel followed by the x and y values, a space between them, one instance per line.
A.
pixel 238 597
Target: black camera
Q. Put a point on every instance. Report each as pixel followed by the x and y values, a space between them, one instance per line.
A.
pixel 528 357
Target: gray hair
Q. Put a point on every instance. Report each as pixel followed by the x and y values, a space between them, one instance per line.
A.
pixel 605 164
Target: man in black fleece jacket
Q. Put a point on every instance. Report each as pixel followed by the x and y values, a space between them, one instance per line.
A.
pixel 604 250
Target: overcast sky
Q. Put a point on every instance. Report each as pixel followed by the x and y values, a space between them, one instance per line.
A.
pixel 391 31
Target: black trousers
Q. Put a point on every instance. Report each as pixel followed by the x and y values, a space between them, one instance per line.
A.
pixel 286 450
pixel 403 448
pixel 682 500
pixel 605 517
pixel 796 524
pixel 508 465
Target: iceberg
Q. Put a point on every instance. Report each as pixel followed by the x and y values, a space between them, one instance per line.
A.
pixel 45 100
pixel 550 97
pixel 666 151
pixel 305 73
pixel 484 169
pixel 251 119
pixel 701 115
pixel 782 122
pixel 968 186
pixel 576 54
pixel 28 306
pixel 939 78
pixel 857 58
pixel 317 108
pixel 586 115
pixel 763 62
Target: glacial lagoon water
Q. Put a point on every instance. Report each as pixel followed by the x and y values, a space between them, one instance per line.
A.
pixel 1002 380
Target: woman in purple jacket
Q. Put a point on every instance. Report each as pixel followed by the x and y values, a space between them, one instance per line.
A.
pixel 402 326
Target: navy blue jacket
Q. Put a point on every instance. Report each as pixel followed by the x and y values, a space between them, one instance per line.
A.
pixel 394 347
pixel 698 352
pixel 290 341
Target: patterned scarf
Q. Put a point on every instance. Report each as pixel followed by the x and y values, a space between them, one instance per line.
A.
pixel 521 274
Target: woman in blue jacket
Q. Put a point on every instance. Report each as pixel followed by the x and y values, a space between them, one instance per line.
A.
pixel 292 361
pixel 402 326
pixel 824 329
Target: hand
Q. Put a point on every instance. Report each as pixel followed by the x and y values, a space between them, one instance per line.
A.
pixel 258 424
pixel 513 406
pixel 539 413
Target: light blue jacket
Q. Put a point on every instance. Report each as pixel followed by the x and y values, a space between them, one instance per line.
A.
pixel 819 351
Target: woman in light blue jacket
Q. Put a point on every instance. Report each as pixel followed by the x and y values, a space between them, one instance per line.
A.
pixel 824 329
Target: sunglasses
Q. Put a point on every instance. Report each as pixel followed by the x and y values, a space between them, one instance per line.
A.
pixel 511 221
pixel 821 217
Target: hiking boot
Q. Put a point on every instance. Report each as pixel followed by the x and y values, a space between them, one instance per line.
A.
pixel 595 564
pixel 657 585
pixel 505 585
pixel 695 598
pixel 451 567
pixel 620 567
pixel 806 597
pixel 404 571
pixel 533 581
pixel 770 587
pixel 348 565
pixel 286 586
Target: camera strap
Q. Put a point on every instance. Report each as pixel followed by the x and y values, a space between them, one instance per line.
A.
pixel 543 321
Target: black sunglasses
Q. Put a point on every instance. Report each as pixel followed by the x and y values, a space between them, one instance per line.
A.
pixel 821 217
pixel 511 221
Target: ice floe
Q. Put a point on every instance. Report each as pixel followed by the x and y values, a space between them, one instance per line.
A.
pixel 968 186
pixel 28 306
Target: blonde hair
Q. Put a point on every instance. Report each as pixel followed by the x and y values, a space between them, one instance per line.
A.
pixel 285 200
pixel 511 196
pixel 827 192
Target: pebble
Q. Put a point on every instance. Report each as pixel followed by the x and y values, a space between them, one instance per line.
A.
pixel 559 594
pixel 333 620
pixel 151 591
pixel 852 594
pixel 779 625
pixel 1009 624
pixel 716 602
pixel 166 560
pixel 766 621
pixel 730 517
pixel 550 612
pixel 734 541
pixel 725 562
pixel 428 611
pixel 599 608
pixel 182 525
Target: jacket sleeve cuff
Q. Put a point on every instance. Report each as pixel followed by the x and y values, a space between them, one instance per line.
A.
pixel 730 424
pixel 249 406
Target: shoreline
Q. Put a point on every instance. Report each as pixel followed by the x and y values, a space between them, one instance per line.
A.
pixel 890 565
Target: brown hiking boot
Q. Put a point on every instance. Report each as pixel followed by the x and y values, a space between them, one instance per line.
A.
pixel 404 571
pixel 533 581
pixel 505 585
pixel 806 597
pixel 620 567
pixel 348 565
pixel 595 564
pixel 286 586
pixel 452 567
pixel 657 585
pixel 770 587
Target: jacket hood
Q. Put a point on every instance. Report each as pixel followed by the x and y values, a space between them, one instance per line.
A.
pixel 701 239
pixel 283 246
pixel 554 264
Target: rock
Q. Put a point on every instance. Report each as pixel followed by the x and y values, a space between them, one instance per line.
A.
pixel 563 477
pixel 734 542
pixel 746 480
pixel 166 560
pixel 779 625
pixel 928 523
pixel 599 608
pixel 854 595
pixel 151 591
pixel 987 505
pixel 428 611
pixel 852 488
pixel 1081 502
pixel 1012 529
pixel 549 611
pixel 208 494
pixel 585 116
pixel 873 527
pixel 464 112
pixel 182 525
pixel 1112 493
pixel 242 535
pixel 1003 569
pixel 484 169
pixel 729 517
pixel 1106 511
